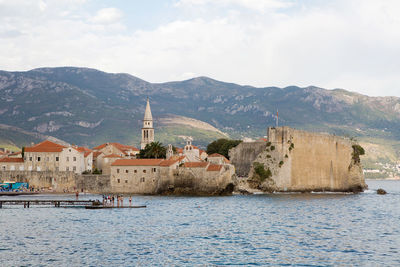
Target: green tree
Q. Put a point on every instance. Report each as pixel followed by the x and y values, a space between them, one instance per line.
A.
pixel 154 150
pixel 222 146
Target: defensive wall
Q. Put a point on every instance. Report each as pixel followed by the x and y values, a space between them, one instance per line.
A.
pixel 197 181
pixel 296 160
pixel 60 181
pixel 243 155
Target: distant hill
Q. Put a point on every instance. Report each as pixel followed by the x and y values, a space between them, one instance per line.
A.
pixel 87 107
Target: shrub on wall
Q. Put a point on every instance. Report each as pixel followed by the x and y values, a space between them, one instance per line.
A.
pixel 261 172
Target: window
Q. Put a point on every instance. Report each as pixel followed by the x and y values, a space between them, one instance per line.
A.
pixel 38 158
pixel 74 158
pixel 126 181
pixel 24 158
pixel 142 179
pixel 4 168
pixel 119 181
pixel 117 170
pixel 154 169
pixel 135 171
pixel 74 168
pixel 30 158
pixel 126 171
pixel 67 158
pixel 57 158
pixel 69 150
pixel 144 171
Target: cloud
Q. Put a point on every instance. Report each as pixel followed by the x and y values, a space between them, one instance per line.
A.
pixel 258 5
pixel 350 44
pixel 107 16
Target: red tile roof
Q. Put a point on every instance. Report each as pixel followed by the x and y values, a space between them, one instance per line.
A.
pixel 119 146
pixel 87 154
pixel 83 149
pixel 12 160
pixel 137 162
pixel 113 156
pixel 195 164
pixel 96 154
pixel 45 146
pixel 216 155
pixel 214 168
pixel 171 161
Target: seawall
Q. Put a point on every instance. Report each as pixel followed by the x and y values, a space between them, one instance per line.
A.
pixel 60 181
pixel 243 155
pixel 296 160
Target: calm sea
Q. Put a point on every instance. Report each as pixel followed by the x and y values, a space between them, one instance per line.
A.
pixel 275 230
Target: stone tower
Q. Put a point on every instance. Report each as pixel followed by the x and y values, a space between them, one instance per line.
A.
pixel 170 151
pixel 147 130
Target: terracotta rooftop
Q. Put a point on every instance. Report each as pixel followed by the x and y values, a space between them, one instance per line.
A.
pixel 137 162
pixel 96 154
pixel 113 156
pixel 195 164
pixel 45 146
pixel 87 153
pixel 121 147
pixel 171 161
pixel 83 149
pixel 216 155
pixel 214 168
pixel 12 160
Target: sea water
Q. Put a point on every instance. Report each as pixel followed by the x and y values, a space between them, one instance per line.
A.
pixel 268 230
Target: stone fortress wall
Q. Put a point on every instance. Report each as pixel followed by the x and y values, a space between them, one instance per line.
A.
pixel 60 181
pixel 243 155
pixel 305 161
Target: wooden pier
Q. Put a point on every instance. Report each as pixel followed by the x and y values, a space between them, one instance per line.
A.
pixel 88 204
pixel 55 202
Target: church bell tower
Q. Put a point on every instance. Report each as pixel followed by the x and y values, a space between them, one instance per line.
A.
pixel 147 130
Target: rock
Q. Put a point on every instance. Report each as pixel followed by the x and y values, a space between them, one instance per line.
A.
pixel 380 191
pixel 244 192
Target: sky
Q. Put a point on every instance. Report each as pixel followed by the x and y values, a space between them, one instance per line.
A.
pixel 349 44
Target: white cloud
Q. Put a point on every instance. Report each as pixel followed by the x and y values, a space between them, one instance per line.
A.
pixel 258 5
pixel 107 16
pixel 350 44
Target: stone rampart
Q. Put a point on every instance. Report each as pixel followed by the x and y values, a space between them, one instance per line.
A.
pixel 243 155
pixel 59 181
pixel 295 160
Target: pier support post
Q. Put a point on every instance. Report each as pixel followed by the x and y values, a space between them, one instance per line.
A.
pixel 1 205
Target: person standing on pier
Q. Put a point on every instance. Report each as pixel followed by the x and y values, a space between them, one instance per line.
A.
pixel 130 200
pixel 77 195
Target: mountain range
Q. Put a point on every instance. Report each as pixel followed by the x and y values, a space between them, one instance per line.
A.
pixel 88 107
